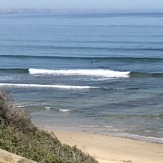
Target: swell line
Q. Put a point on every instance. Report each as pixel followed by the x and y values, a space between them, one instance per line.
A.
pixel 146 74
pixel 125 59
pixel 14 70
pixel 47 47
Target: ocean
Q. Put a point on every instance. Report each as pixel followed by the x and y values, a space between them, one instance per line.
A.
pixel 86 70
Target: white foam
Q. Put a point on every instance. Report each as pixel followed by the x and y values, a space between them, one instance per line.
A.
pixel 46 86
pixel 146 138
pixel 86 72
pixel 156 114
pixel 48 108
pixel 20 106
pixel 64 110
pixel 108 126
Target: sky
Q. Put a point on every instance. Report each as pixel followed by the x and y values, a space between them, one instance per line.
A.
pixel 83 4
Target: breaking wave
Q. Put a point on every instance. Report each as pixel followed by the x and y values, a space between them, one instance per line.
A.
pixel 45 86
pixel 85 72
pixel 104 73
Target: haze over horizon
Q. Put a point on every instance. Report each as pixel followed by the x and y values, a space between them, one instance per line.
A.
pixel 139 5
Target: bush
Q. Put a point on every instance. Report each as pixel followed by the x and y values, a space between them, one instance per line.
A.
pixel 18 135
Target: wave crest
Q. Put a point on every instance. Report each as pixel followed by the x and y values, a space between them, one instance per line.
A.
pixel 45 86
pixel 83 72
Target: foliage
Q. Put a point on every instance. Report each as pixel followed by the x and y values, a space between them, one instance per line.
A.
pixel 18 135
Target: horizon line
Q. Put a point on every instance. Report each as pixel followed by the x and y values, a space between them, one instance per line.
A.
pixel 83 9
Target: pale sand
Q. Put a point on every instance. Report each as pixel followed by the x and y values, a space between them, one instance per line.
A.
pixel 109 149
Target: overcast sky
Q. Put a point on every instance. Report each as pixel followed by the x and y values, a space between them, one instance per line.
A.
pixel 84 4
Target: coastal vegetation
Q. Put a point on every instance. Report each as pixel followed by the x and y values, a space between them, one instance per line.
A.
pixel 20 136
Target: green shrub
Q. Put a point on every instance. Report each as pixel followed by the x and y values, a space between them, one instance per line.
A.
pixel 18 135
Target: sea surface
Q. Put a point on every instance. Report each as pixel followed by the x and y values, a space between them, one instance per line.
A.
pixel 86 70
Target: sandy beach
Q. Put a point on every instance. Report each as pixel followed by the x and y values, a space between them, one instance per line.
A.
pixel 108 149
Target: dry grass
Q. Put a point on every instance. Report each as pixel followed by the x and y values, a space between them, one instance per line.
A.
pixel 12 116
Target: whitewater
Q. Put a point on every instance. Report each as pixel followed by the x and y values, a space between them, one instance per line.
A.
pixel 87 72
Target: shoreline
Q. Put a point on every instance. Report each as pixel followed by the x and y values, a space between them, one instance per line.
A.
pixel 112 149
pixel 149 138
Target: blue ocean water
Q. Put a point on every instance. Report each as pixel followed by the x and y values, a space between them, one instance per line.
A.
pixel 90 71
